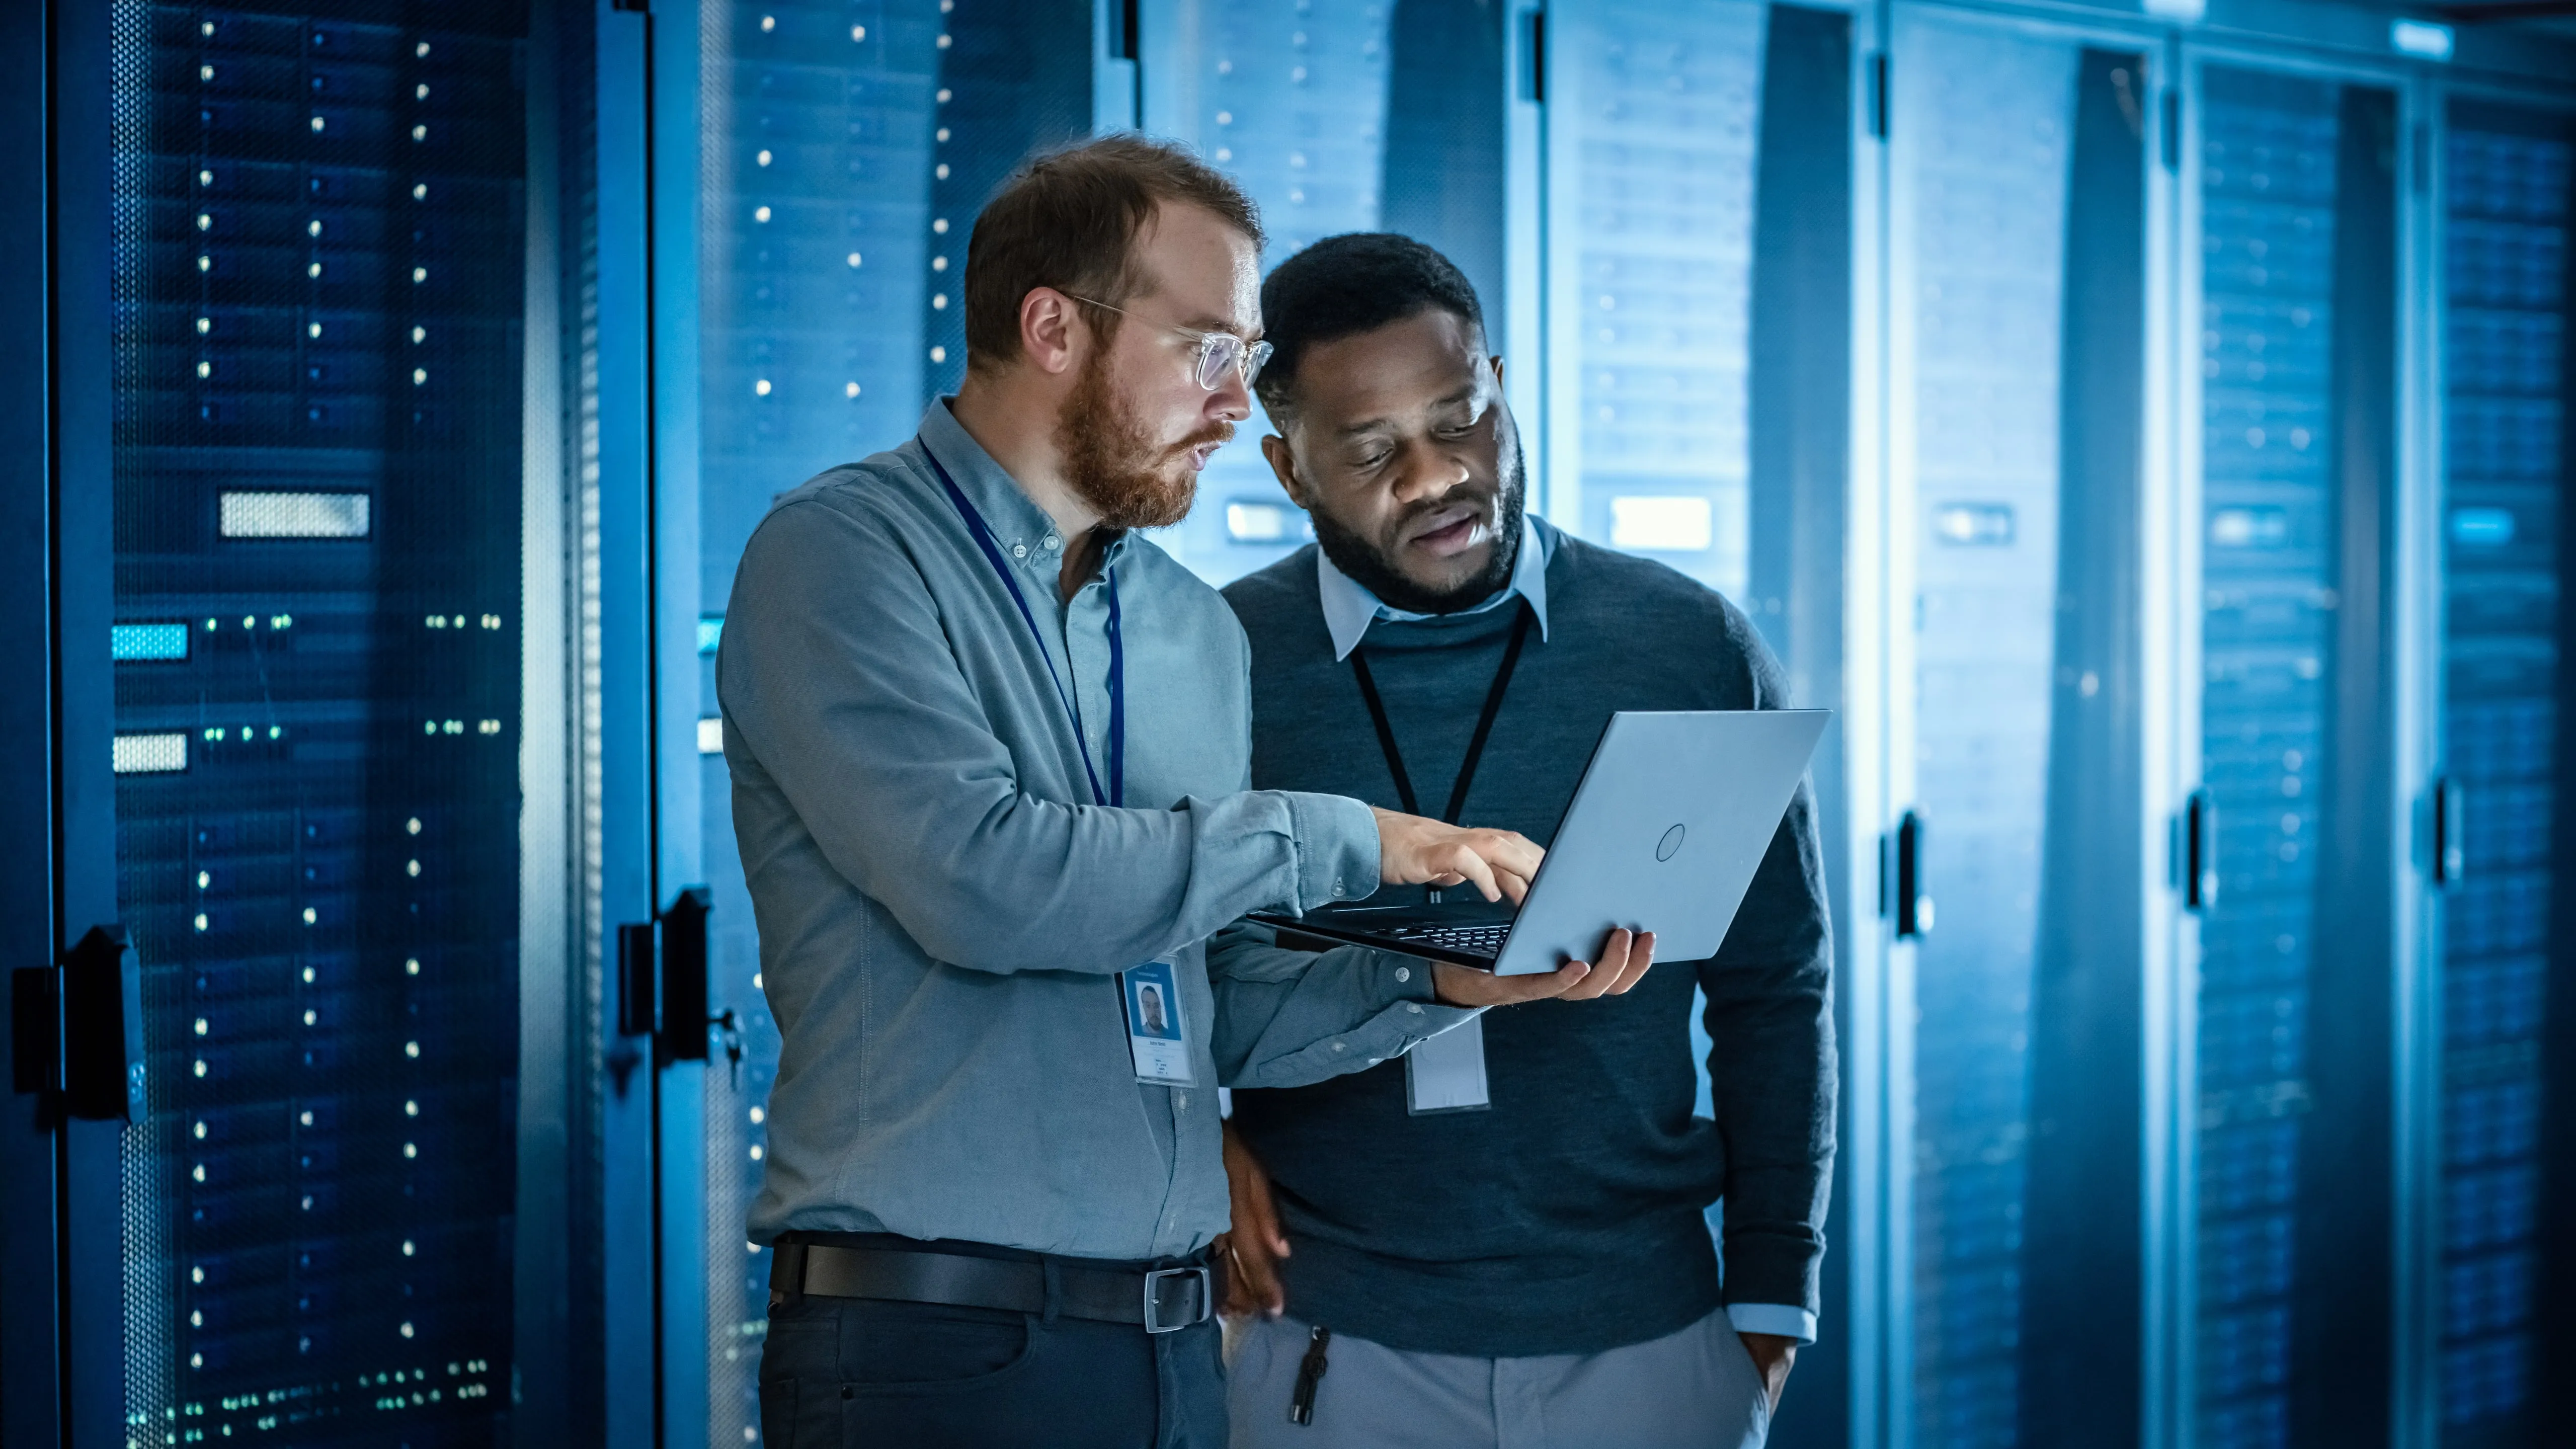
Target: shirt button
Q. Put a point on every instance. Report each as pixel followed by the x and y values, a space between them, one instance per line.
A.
pixel 1019 550
pixel 1052 540
pixel 1343 1046
pixel 1403 973
pixel 1414 1006
pixel 1181 1100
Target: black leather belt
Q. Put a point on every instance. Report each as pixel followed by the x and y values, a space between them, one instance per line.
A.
pixel 1159 1300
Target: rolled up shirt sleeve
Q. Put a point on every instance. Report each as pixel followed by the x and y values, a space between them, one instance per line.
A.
pixel 840 678
pixel 1287 1018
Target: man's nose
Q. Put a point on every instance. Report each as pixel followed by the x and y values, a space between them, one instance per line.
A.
pixel 1232 400
pixel 1427 473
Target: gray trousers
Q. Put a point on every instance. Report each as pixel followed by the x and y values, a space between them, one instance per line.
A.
pixel 1696 1387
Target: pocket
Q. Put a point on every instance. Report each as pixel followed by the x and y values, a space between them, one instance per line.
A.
pixel 899 1348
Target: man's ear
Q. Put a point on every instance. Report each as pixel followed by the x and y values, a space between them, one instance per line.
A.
pixel 1051 335
pixel 1497 363
pixel 1284 464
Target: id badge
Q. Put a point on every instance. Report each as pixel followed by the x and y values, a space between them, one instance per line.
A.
pixel 1446 1073
pixel 1158 1040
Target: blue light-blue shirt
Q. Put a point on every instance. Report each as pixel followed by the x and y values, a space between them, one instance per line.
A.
pixel 942 904
pixel 1349 608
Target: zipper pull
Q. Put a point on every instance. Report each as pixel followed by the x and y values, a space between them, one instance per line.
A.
pixel 1301 1407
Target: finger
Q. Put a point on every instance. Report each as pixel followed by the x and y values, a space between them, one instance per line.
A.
pixel 1510 850
pixel 1641 959
pixel 1606 966
pixel 1515 886
pixel 1467 863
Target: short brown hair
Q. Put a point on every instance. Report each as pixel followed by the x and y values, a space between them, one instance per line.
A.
pixel 1068 219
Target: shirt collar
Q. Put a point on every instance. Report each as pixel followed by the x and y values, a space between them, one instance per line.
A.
pixel 1026 535
pixel 1349 608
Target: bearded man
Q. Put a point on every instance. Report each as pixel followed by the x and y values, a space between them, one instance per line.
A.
pixel 990 756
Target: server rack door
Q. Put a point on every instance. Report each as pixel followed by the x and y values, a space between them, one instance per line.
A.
pixel 319 258
pixel 1697 186
pixel 2297 195
pixel 2497 844
pixel 841 158
pixel 2018 212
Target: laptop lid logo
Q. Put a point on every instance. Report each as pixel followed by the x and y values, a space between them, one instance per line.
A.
pixel 1671 842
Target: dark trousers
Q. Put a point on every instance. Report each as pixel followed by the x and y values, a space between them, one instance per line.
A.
pixel 855 1373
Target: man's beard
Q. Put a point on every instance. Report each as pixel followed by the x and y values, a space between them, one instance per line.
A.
pixel 1110 461
pixel 1366 566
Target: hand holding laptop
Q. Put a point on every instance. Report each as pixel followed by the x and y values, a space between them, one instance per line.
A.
pixel 1624 959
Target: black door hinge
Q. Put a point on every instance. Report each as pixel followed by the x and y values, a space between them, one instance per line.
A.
pixel 1534 59
pixel 1878 96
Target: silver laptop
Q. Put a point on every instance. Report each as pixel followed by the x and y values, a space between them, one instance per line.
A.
pixel 1672 818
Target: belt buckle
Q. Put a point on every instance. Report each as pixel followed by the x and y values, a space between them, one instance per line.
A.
pixel 1154 1279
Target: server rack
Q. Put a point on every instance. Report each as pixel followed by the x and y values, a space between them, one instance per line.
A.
pixel 2022 194
pixel 2492 839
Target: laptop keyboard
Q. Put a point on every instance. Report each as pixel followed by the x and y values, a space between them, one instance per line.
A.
pixel 1486 941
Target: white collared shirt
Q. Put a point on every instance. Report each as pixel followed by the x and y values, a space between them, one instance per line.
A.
pixel 1349 608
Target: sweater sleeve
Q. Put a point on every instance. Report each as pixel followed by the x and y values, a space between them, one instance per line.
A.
pixel 1772 1068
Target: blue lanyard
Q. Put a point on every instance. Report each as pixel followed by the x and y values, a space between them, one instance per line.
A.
pixel 1116 794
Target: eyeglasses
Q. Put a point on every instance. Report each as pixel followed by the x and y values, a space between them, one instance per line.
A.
pixel 1218 352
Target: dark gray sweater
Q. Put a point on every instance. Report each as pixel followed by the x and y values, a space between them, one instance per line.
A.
pixel 1568 1218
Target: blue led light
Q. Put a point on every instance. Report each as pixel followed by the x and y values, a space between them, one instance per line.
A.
pixel 133 643
pixel 710 632
pixel 2482 527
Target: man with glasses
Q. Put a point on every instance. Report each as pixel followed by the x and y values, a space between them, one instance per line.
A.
pixel 990 755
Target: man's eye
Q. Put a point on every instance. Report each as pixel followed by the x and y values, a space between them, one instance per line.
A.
pixel 1372 462
pixel 1451 435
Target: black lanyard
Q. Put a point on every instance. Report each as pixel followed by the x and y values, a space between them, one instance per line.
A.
pixel 1116 794
pixel 1475 745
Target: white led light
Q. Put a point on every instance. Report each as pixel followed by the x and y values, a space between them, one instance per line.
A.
pixel 201 1131
pixel 421 91
pixel 205 264
pixel 760 387
pixel 420 133
pixel 768 23
pixel 205 369
pixel 196 1275
pixel 421 49
pixel 762 158
pixel 411 1107
pixel 939 226
pixel 1225 153
pixel 711 735
pixel 419 335
pixel 939 354
pixel 198 1360
pixel 941 135
pixel 1225 118
pixel 419 275
pixel 943 42
pixel 310 1017
pixel 201 1066
pixel 205 72
pixel 410 1150
pixel 150 754
pixel 308 975
pixel 411 967
pixel 858 32
pixel 941 170
pixel 1662 524
pixel 2420 38
pixel 944 94
pixel 317 125
pixel 197 1316
pixel 853 259
pixel 201 1026
pixel 419 375
pixel 408 1248
pixel 760 213
pixel 755 981
pixel 293 515
pixel 311 916
pixel 850 389
pixel 406 1330
pixel 1256 523
pixel 205 325
pixel 313 331
pixel 420 191
pixel 939 302
pixel 205 178
pixel 205 878
pixel 758 1116
pixel 313 228
pixel 205 222
pixel 307 1117
pixel 411 1049
pixel 313 269
pixel 755 1152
